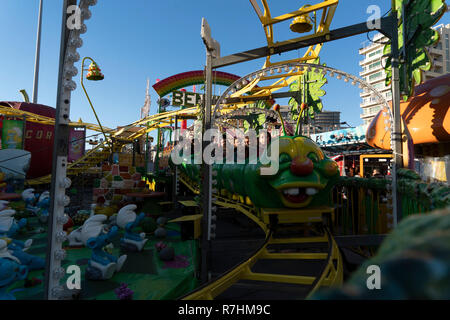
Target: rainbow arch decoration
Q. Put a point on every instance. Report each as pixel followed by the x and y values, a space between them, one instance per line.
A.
pixel 191 78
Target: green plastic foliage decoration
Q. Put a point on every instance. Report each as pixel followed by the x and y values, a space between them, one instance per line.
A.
pixel 420 16
pixel 314 83
pixel 256 121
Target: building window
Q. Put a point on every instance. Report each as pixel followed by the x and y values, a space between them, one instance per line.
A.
pixel 374 65
pixel 372 54
pixel 375 76
pixel 378 85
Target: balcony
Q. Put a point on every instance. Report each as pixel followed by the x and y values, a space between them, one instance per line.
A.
pixel 438 62
pixel 369 103
pixel 436 50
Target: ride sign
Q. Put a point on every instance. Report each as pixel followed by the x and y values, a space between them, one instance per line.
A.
pixel 189 99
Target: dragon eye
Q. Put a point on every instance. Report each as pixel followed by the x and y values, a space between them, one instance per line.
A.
pixel 313 157
pixel 285 158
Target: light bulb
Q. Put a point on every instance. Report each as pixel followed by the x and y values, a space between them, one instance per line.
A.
pixel 61 236
pixel 60 254
pixel 70 85
pixel 70 71
pixel 59 273
pixel 62 219
pixel 57 292
pixel 76 42
pixel 64 200
pixel 65 183
pixel 82 29
pixel 86 14
pixel 73 57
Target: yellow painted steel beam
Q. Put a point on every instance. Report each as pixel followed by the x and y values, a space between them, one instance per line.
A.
pixel 270 277
pixel 298 256
pixel 32 117
pixel 370 156
pixel 298 240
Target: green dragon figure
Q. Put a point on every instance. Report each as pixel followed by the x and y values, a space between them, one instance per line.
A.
pixel 304 179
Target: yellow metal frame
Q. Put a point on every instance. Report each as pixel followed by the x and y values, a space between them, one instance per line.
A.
pixel 370 156
pixel 328 8
pixel 196 219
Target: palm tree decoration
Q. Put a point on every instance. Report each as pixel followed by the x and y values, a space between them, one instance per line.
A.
pixel 308 100
pixel 419 16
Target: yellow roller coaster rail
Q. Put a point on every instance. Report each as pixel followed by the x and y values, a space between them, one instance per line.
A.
pixel 102 151
pixel 330 275
pixel 32 117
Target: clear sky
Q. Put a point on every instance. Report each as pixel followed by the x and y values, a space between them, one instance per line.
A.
pixel 138 39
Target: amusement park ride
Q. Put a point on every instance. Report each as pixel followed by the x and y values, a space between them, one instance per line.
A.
pixel 305 204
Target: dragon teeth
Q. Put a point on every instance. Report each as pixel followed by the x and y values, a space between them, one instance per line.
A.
pixel 292 191
pixel 311 191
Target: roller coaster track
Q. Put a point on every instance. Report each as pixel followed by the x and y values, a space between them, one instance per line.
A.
pixel 324 10
pixel 330 272
pixel 102 151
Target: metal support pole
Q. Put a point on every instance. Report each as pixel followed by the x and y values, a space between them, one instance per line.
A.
pixel 212 53
pixel 175 168
pixel 396 133
pixel 206 175
pixel 59 167
pixel 38 55
pixel 156 163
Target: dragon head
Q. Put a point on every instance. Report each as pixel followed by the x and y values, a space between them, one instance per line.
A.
pixel 304 175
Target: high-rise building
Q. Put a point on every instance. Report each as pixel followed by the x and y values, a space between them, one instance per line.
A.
pixel 323 121
pixel 327 121
pixel 373 69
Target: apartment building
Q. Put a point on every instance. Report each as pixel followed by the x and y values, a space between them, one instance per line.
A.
pixel 373 69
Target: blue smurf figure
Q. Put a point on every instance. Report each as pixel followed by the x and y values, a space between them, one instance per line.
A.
pixel 96 236
pixel 8 229
pixel 128 220
pixel 30 199
pixel 10 271
pixel 44 205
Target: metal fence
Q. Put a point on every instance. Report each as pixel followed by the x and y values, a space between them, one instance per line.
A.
pixel 363 205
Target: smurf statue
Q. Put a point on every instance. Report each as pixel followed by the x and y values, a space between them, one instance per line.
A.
pixel 8 229
pixel 38 204
pixel 44 205
pixel 10 271
pixel 95 236
pixel 3 204
pixel 128 220
pixel 30 199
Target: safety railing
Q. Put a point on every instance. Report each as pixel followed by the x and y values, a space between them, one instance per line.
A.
pixel 362 205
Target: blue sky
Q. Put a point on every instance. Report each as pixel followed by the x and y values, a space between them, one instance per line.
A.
pixel 139 39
